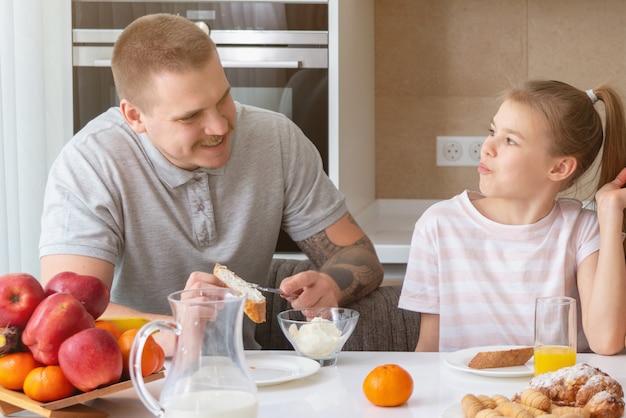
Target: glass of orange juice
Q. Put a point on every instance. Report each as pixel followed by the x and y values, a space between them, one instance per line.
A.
pixel 555 333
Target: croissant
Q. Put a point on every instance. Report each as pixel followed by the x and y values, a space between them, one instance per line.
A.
pixel 471 405
pixel 535 399
pixel 582 386
pixel 514 410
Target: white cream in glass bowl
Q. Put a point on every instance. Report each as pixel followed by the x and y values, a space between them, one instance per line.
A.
pixel 318 333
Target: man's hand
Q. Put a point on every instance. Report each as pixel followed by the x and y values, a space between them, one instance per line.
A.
pixel 199 279
pixel 311 288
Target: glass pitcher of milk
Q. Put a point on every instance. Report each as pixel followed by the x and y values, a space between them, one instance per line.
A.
pixel 208 376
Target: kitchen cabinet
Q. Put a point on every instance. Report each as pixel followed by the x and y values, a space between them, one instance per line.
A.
pixel 352 156
pixel 351 94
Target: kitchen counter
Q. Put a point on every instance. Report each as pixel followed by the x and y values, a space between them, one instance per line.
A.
pixel 389 223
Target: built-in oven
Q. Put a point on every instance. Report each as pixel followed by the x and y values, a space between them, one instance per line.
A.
pixel 275 55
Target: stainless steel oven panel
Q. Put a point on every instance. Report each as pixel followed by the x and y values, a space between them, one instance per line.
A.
pixel 92 56
pixel 211 1
pixel 228 37
pixel 281 49
pixel 95 36
pixel 270 37
pixel 264 57
pixel 231 57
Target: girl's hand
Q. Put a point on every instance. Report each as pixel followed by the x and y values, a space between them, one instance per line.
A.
pixel 612 195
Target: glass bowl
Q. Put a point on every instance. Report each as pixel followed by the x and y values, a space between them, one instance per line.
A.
pixel 318 333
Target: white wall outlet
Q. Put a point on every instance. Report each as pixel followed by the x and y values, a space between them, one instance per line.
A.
pixel 459 150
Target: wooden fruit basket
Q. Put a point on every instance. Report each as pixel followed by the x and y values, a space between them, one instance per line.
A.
pixel 12 401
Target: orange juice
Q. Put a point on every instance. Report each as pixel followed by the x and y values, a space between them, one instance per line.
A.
pixel 550 357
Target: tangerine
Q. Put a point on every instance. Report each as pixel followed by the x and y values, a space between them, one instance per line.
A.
pixel 388 385
pixel 47 384
pixel 160 356
pixel 14 368
pixel 152 358
pixel 109 326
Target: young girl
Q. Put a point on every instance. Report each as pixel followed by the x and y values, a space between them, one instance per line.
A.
pixel 479 260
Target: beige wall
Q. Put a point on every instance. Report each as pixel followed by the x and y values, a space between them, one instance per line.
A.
pixel 440 65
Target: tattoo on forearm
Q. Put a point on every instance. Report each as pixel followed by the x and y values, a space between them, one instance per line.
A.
pixel 354 268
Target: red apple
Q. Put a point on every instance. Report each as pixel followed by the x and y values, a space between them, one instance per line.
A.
pixel 91 358
pixel 90 290
pixel 57 318
pixel 20 293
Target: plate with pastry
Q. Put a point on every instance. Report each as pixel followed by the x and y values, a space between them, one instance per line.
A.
pixel 578 391
pixel 493 361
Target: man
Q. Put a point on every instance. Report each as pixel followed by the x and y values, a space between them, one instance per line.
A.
pixel 150 195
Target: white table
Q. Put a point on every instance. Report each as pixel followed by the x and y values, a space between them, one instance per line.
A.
pixel 335 391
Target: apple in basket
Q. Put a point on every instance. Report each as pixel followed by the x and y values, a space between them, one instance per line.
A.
pixel 91 358
pixel 57 318
pixel 20 293
pixel 89 290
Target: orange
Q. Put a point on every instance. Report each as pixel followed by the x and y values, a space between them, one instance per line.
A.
pixel 13 369
pixel 47 384
pixel 161 356
pixel 152 357
pixel 388 385
pixel 109 326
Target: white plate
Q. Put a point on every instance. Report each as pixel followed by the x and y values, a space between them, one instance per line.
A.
pixel 458 360
pixel 453 411
pixel 272 369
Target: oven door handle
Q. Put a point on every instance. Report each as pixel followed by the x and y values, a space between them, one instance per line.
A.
pixel 260 64
pixel 229 64
pixel 102 63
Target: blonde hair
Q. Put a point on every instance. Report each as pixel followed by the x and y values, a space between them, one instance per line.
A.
pixel 576 126
pixel 155 44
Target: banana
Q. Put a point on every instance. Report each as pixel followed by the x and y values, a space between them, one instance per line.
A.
pixel 127 323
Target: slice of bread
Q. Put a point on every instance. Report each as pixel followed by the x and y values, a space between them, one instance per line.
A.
pixel 255 301
pixel 501 358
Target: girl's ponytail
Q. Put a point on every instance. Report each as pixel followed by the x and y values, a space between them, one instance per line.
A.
pixel 614 144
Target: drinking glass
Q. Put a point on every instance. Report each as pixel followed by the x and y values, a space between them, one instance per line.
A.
pixel 555 333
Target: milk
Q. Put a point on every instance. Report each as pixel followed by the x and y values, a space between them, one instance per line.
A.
pixel 212 404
